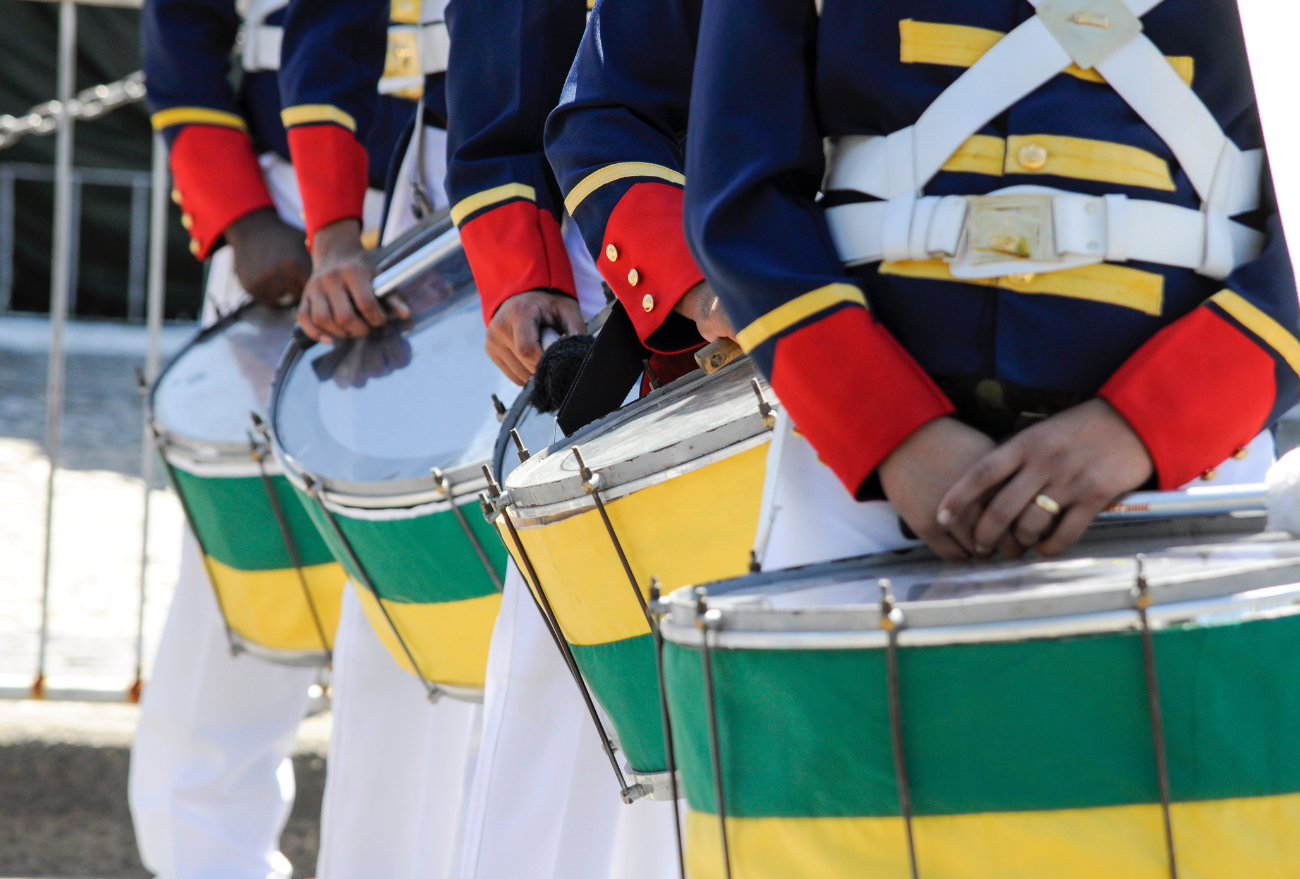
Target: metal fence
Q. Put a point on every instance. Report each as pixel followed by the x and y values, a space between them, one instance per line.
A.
pixel 146 274
pixel 138 182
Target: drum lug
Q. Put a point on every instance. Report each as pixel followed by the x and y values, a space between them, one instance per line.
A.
pixel 590 480
pixel 499 407
pixel 765 409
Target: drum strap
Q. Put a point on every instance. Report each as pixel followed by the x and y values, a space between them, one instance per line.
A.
pixel 612 368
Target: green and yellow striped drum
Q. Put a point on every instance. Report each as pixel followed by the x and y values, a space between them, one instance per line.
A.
pixel 276 581
pixel 678 476
pixel 385 438
pixel 1008 720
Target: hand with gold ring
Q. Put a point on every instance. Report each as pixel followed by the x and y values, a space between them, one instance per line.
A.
pixel 1042 487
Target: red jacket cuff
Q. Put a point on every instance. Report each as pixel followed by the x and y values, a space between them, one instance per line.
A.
pixel 1198 391
pixel 644 257
pixel 219 180
pixel 853 391
pixel 333 173
pixel 513 249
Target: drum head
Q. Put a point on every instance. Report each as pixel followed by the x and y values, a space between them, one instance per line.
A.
pixel 372 415
pixel 203 398
pixel 681 424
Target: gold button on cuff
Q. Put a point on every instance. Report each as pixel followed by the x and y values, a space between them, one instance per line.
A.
pixel 187 221
pixel 1209 474
pixel 611 253
pixel 1032 157
pixel 194 247
pixel 634 277
pixel 176 196
pixel 1240 454
pixel 648 302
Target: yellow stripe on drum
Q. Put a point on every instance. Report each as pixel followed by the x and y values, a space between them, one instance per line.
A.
pixel 449 639
pixel 693 529
pixel 269 608
pixel 1253 837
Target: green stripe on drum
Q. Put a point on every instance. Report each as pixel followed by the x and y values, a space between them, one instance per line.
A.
pixel 237 526
pixel 421 560
pixel 623 677
pixel 1053 724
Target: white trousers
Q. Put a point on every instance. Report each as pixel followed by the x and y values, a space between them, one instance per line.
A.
pixel 545 802
pixel 211 782
pixel 398 765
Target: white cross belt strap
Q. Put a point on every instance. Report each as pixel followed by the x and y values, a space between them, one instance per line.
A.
pixel 1052 225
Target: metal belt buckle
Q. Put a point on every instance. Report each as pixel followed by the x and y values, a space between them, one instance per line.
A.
pixel 1007 229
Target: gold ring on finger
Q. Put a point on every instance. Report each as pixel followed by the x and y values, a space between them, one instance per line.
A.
pixel 1046 503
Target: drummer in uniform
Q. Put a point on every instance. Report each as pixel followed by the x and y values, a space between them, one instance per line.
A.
pixel 615 144
pixel 999 368
pixel 398 764
pixel 543 802
pixel 211 777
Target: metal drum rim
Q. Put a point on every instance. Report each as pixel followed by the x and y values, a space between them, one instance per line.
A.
pixel 395 494
pixel 170 439
pixel 523 497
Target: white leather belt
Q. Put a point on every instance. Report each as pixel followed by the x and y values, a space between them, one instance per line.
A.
pixel 430 44
pixel 262 50
pixel 1034 229
pixel 262 47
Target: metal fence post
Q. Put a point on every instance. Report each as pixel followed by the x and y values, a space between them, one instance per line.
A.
pixel 60 273
pixel 160 189
pixel 6 237
pixel 135 273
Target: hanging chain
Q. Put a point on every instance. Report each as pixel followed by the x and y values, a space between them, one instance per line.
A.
pixel 89 104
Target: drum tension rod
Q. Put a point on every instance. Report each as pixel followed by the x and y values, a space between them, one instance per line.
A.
pixel 433 691
pixel 1142 601
pixel 658 608
pixel 765 410
pixel 499 408
pixel 500 502
pixel 520 448
pixel 258 451
pixel 705 620
pixel 235 647
pixel 591 485
pixel 891 620
pixel 444 485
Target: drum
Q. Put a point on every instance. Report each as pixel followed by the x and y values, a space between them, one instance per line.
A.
pixel 276 581
pixel 895 716
pixel 671 490
pixel 385 438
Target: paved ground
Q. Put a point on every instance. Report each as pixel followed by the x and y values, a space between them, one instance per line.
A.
pixel 63 770
pixel 63 765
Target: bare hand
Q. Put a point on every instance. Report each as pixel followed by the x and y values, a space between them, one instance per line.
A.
pixel 917 474
pixel 701 305
pixel 271 258
pixel 1082 458
pixel 514 335
pixel 339 301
